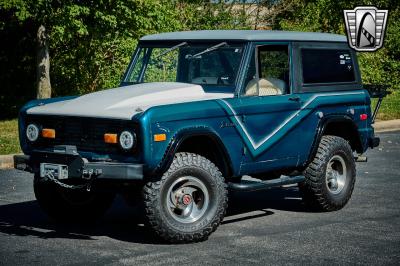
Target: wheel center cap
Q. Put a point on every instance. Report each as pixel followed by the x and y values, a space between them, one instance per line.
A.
pixel 186 199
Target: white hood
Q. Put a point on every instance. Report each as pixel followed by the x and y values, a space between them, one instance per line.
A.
pixel 125 102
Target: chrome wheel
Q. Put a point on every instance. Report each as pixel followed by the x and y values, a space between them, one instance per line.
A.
pixel 187 199
pixel 336 174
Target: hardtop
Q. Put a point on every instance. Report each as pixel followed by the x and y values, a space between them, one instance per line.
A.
pixel 244 35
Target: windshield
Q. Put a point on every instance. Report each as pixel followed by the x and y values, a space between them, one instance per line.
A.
pixel 213 66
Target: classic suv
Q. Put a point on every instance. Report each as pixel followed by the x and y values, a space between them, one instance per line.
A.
pixel 195 112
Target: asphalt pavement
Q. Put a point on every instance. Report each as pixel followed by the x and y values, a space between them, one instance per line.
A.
pixel 265 227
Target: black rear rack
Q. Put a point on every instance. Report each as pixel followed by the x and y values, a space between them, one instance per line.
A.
pixel 377 91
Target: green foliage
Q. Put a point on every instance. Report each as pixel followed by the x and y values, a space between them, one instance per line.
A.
pixel 381 67
pixel 91 42
pixel 17 61
pixel 200 15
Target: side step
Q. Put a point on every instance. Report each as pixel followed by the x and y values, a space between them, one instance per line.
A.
pixel 248 185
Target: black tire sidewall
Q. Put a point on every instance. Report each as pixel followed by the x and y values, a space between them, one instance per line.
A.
pixel 314 189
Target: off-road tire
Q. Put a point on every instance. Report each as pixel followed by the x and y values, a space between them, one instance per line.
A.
pixel 157 214
pixel 315 192
pixel 57 202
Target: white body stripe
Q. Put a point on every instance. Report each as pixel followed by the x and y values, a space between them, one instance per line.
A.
pixel 256 145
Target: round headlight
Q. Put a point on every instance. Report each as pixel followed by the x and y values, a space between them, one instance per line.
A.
pixel 127 140
pixel 32 132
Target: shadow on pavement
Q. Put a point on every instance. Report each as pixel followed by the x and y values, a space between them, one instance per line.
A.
pixel 127 223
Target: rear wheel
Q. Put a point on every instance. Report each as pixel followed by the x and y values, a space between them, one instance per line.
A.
pixel 330 177
pixel 189 201
pixel 68 205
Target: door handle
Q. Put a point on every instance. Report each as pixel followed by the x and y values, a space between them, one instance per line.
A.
pixel 294 99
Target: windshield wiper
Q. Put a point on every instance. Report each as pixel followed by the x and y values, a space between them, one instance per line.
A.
pixel 173 48
pixel 210 49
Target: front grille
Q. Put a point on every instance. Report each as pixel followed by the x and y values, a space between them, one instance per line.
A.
pixel 87 134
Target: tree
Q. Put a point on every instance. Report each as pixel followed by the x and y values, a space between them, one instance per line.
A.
pixel 43 65
pixel 90 43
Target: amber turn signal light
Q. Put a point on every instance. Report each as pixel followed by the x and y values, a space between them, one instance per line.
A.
pixel 48 133
pixel 111 138
pixel 160 137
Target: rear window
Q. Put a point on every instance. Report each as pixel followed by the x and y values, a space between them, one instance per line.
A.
pixel 327 66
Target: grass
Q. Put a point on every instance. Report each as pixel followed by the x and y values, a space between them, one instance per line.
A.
pixel 9 142
pixel 390 109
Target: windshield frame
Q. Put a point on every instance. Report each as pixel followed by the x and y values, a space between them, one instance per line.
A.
pixel 168 44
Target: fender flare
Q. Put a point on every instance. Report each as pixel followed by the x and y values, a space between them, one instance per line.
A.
pixel 184 134
pixel 321 128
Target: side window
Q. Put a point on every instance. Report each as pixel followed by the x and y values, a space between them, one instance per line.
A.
pixel 270 74
pixel 327 66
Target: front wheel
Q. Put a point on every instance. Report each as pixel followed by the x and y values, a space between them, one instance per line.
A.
pixel 330 177
pixel 189 201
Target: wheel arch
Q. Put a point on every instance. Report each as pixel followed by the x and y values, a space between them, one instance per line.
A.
pixel 196 140
pixel 337 125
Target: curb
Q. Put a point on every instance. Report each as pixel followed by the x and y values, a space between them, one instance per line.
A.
pixel 7 161
pixel 386 126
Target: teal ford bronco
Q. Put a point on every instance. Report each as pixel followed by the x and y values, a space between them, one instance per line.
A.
pixel 195 115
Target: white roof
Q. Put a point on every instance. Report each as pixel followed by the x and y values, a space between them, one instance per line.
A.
pixel 245 35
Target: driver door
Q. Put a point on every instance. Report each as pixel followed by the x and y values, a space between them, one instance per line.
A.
pixel 265 111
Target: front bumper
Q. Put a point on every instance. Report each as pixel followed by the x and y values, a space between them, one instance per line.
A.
pixel 79 167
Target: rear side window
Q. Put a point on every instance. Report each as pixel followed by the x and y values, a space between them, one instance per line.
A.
pixel 327 66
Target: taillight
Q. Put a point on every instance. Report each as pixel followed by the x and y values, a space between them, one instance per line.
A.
pixel 363 117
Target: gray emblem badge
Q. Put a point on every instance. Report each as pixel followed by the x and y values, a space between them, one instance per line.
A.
pixel 365 27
